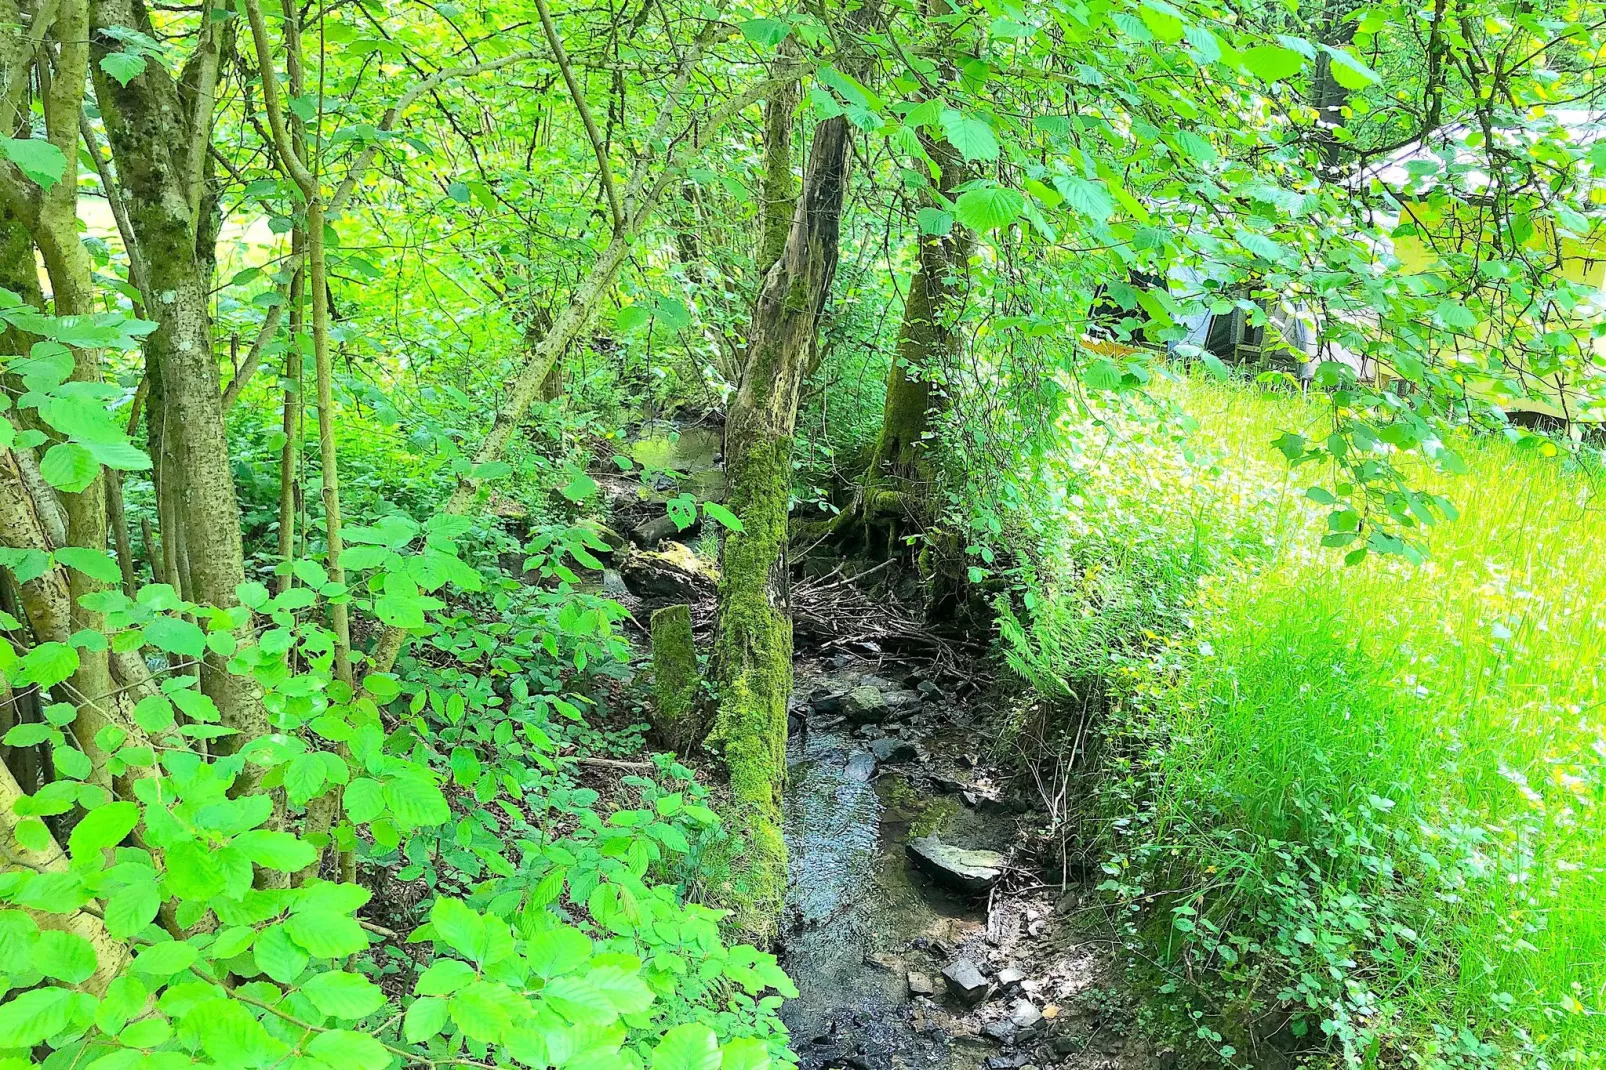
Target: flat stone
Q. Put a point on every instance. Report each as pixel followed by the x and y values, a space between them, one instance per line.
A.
pixel 900 704
pixel 965 981
pixel 864 704
pixel 1017 1061
pixel 928 689
pixel 674 572
pixel 861 766
pixel 1023 1014
pixel 824 701
pixel 1010 977
pixel 958 867
pixel 888 749
pixel 921 984
pixel 1002 1032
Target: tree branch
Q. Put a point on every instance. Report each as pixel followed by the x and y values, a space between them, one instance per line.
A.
pixel 577 93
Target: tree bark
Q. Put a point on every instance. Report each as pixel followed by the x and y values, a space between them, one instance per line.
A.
pixel 898 478
pixel 752 656
pixel 150 140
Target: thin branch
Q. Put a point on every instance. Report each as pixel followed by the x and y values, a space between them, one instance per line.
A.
pixel 577 92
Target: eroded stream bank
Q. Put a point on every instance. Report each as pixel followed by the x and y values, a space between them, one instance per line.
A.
pixel 895 967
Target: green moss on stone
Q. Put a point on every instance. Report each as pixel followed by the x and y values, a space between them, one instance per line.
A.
pixel 675 676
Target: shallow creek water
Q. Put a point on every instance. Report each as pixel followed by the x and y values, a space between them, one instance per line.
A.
pixel 860 917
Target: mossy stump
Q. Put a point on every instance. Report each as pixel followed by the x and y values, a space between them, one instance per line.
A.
pixel 675 677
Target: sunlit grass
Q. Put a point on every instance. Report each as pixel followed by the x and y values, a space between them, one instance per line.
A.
pixel 1435 733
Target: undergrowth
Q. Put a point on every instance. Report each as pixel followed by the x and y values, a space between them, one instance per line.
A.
pixel 1349 812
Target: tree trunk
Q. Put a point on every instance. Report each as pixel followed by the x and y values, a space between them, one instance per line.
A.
pixel 150 140
pixel 752 656
pixel 898 479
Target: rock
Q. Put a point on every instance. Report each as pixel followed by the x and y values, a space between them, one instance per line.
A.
pixel 1010 977
pixel 825 702
pixel 900 704
pixel 1066 1045
pixel 838 662
pixel 1002 1032
pixel 965 981
pixel 958 867
pixel 928 689
pixel 613 584
pixel 864 704
pixel 676 675
pixel 1036 928
pixel 882 961
pixel 650 534
pixel 608 536
pixel 921 984
pixel 861 766
pixel 1015 1061
pixel 872 680
pixel 1025 1017
pixel 888 749
pixel 674 572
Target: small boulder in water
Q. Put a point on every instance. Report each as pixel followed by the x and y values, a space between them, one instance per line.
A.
pixel 861 765
pixel 892 749
pixel 960 868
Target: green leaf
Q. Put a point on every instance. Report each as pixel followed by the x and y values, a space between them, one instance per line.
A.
pixel 278 956
pixel 124 67
pixel 989 208
pixel 973 137
pixel 230 1034
pixel 579 488
pixel 39 161
pixel 416 803
pixel 1455 315
pixel 69 466
pixel 425 1018
pixel 725 517
pixel 558 950
pixel 96 564
pixel 165 959
pixel 744 1053
pixel 363 799
pixel 766 33
pixel 1348 71
pixel 1087 198
pixel 445 976
pixel 65 956
pixel 344 995
pixel 691 1046
pixel 47 665
pixel 276 850
pixel 104 826
pixel 1272 63
pixel 935 221
pixel 325 934
pixel 458 927
pixel 130 909
pixel 31 1017
pixel 176 636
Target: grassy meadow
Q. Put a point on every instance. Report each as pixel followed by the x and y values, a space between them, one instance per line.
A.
pixel 1367 802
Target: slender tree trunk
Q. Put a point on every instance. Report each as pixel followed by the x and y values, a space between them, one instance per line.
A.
pixel 290 424
pixel 752 658
pixel 150 139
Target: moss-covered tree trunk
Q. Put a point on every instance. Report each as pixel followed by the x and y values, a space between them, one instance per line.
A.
pixel 899 473
pixel 752 657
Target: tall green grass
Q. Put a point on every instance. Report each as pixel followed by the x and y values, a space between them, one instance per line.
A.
pixel 1372 796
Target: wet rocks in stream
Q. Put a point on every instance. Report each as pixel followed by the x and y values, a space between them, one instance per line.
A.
pixel 960 868
pixel 907 948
